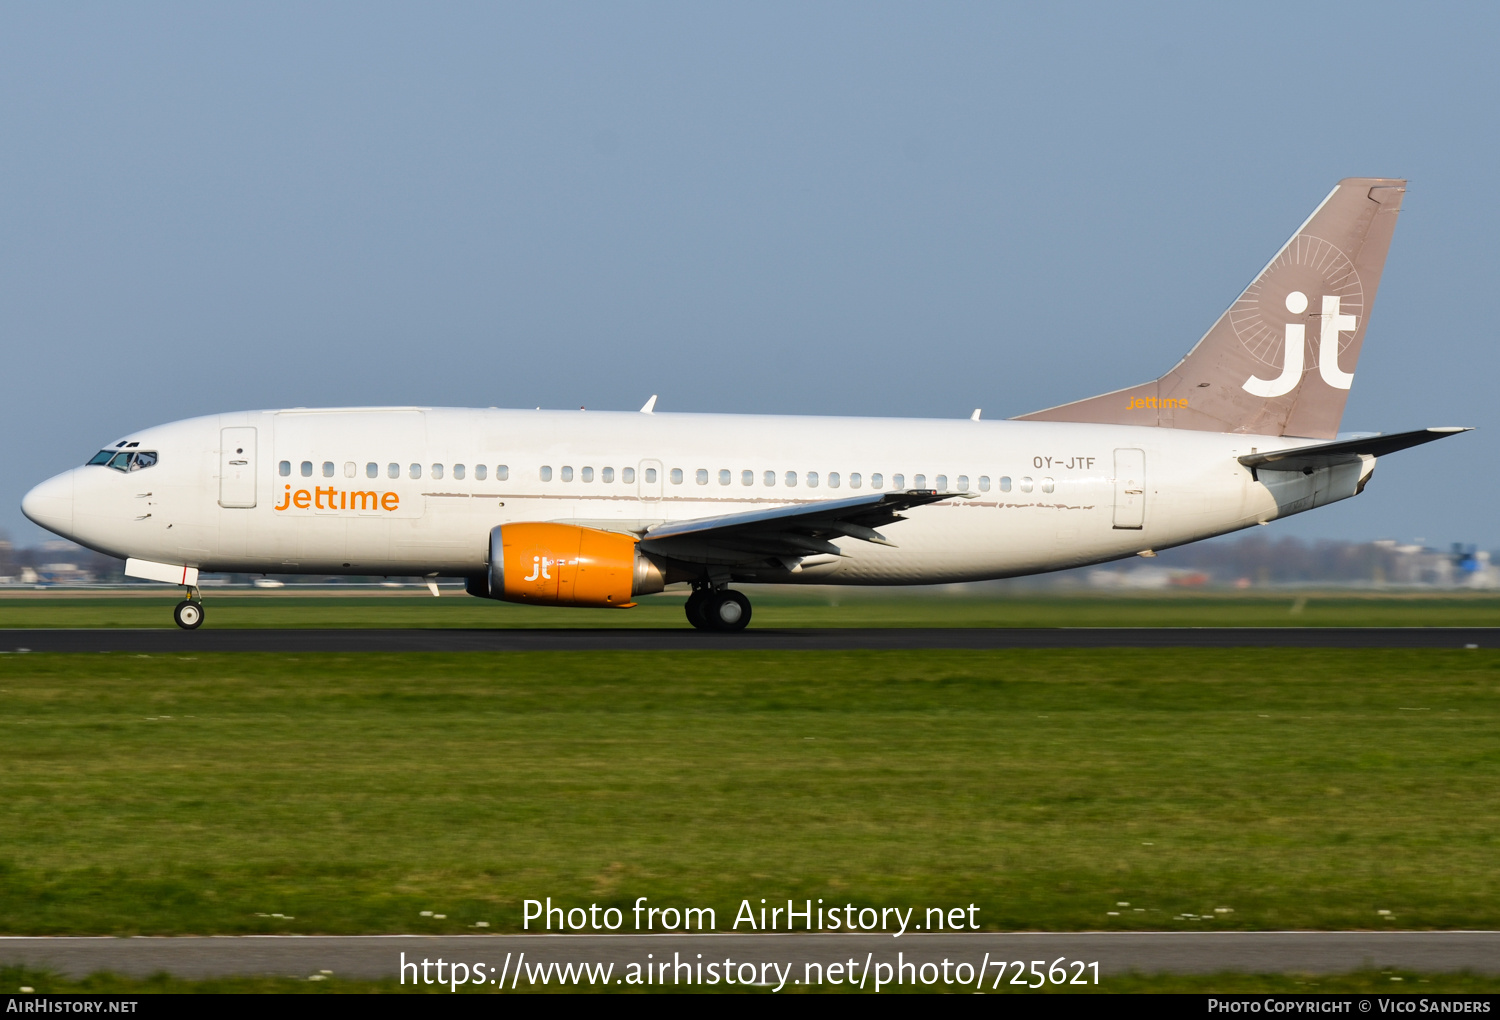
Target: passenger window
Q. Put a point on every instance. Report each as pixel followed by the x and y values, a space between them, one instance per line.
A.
pixel 437 470
pixel 502 473
pixel 747 477
pixel 307 469
pixel 724 476
pixel 854 480
pixel 567 473
pixel 479 472
pixel 940 483
pixel 676 476
pixel 651 475
pixel 1004 483
pixel 415 471
pixel 919 482
pixel 393 470
pixel 1026 485
pixel 769 479
pixel 372 470
pixel 328 469
pixel 458 471
pixel 702 476
pixel 963 483
pixel 546 472
pixel 898 481
pixel 791 479
pixel 627 475
pixel 588 474
pixel 812 479
pixel 607 475
pixel 876 480
pixel 833 479
pixel 984 483
pixel 1048 485
pixel 350 469
pixel 284 468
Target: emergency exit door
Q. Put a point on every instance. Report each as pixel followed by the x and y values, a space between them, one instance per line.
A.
pixel 237 467
pixel 1130 489
pixel 649 481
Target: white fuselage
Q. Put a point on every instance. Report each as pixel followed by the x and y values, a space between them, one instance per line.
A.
pixel 1044 495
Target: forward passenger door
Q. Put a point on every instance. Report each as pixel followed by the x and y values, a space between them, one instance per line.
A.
pixel 237 468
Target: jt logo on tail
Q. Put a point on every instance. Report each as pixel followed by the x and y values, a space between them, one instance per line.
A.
pixel 1334 322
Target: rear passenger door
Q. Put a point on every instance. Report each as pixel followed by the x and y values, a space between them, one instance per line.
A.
pixel 1130 489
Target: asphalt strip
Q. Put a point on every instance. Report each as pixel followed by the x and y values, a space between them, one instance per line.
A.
pixel 792 639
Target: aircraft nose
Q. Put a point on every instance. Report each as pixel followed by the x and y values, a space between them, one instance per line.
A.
pixel 51 504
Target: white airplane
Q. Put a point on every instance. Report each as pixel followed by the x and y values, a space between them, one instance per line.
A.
pixel 583 508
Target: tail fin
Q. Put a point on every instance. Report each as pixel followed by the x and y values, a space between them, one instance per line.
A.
pixel 1280 361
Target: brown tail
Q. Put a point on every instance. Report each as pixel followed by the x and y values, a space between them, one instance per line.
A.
pixel 1280 361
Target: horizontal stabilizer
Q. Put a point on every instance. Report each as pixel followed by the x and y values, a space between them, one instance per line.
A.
pixel 1322 454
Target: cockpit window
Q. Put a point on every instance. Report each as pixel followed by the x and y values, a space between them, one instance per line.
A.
pixel 125 460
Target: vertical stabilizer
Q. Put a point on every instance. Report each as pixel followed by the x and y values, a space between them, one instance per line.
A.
pixel 1281 360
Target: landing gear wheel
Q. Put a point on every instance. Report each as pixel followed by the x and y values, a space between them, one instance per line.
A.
pixel 695 605
pixel 727 610
pixel 189 614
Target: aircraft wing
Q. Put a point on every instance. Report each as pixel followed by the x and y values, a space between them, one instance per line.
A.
pixel 788 532
pixel 1344 451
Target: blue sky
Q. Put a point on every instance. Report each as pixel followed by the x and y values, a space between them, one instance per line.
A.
pixel 883 209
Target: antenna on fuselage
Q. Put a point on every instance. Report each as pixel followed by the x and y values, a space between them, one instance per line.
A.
pixel 650 406
pixel 975 415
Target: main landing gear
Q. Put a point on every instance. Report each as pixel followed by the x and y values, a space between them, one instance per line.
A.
pixel 188 613
pixel 718 609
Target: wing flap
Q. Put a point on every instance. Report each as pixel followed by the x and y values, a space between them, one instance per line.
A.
pixel 794 530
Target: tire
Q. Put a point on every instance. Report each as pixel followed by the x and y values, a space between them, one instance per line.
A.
pixel 188 614
pixel 727 610
pixel 694 609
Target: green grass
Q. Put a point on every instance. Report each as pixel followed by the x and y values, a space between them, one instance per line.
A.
pixel 1298 788
pixel 1384 983
pixel 774 608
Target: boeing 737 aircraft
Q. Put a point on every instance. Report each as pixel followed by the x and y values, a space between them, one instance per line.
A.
pixel 582 508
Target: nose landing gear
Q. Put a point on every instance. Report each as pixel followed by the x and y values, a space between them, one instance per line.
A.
pixel 188 614
pixel 723 609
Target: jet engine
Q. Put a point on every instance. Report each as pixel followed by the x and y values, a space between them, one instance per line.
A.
pixel 566 565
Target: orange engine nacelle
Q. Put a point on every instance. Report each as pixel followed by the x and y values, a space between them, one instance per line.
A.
pixel 565 565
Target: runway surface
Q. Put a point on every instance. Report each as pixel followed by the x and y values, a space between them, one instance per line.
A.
pixel 1115 952
pixel 791 639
